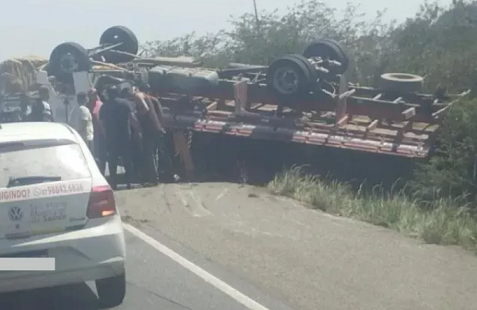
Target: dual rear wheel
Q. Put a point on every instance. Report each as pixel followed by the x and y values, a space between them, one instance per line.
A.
pixel 295 75
pixel 70 57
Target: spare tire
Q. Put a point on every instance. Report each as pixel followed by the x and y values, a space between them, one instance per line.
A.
pixel 120 34
pixel 330 49
pixel 401 82
pixel 289 77
pixel 67 58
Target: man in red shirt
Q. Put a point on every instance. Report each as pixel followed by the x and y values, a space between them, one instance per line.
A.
pixel 100 150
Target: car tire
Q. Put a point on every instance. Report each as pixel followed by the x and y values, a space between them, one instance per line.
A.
pixel 329 48
pixel 120 34
pixel 111 291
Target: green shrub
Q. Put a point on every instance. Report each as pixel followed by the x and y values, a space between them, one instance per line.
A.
pixel 452 170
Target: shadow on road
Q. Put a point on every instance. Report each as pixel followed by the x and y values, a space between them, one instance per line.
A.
pixel 71 297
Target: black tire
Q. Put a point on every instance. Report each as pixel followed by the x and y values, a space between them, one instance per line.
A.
pixel 111 291
pixel 328 48
pixel 401 82
pixel 302 73
pixel 120 34
pixel 67 58
pixel 344 54
pixel 311 69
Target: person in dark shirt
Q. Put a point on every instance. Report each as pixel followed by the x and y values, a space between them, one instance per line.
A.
pixel 136 143
pixel 151 128
pixel 40 109
pixel 25 106
pixel 162 148
pixel 157 115
pixel 117 118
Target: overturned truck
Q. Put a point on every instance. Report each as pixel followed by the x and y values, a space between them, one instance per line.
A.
pixel 299 98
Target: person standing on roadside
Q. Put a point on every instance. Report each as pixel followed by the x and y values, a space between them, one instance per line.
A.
pixel 117 117
pixel 99 141
pixel 152 129
pixel 25 106
pixel 136 143
pixel 163 152
pixel 82 121
pixel 144 89
pixel 40 109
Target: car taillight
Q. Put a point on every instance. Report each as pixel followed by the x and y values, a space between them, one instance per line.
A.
pixel 101 202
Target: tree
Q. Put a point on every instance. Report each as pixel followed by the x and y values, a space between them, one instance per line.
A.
pixel 282 34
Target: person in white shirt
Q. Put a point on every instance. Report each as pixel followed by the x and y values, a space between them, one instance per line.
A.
pixel 82 120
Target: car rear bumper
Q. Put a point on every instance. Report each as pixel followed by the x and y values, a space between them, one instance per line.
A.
pixel 95 252
pixel 56 278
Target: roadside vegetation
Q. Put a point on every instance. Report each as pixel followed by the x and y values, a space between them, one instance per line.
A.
pixel 440 43
pixel 448 221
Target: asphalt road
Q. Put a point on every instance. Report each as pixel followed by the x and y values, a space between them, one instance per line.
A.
pixel 305 258
pixel 154 281
pixel 224 246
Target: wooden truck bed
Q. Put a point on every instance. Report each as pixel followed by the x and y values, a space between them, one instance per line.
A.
pixel 358 118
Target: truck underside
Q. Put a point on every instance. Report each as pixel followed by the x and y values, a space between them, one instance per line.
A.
pixel 318 107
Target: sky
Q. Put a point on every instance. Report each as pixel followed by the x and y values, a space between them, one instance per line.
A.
pixel 35 27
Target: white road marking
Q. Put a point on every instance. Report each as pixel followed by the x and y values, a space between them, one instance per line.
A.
pixel 207 277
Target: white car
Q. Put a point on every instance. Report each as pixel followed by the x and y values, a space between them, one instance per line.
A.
pixel 54 202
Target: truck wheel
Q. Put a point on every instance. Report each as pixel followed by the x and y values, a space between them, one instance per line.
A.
pixel 67 58
pixel 111 291
pixel 311 69
pixel 331 49
pixel 401 82
pixel 120 34
pixel 289 77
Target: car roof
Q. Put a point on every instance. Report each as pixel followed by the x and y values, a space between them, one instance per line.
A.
pixel 11 132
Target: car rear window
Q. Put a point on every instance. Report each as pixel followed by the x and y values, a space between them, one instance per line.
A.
pixel 65 161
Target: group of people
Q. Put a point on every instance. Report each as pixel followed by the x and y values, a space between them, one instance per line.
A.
pixel 126 125
pixel 38 110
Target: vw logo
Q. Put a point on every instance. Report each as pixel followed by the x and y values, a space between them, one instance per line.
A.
pixel 15 213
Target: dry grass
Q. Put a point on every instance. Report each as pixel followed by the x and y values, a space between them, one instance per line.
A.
pixel 439 222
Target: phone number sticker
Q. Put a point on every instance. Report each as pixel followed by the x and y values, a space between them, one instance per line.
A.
pixel 58 189
pixel 64 189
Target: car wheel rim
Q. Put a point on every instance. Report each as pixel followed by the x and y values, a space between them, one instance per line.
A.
pixel 285 80
pixel 68 63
